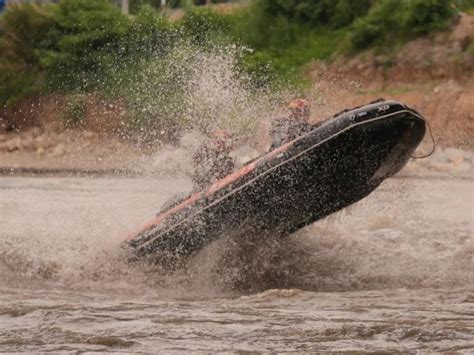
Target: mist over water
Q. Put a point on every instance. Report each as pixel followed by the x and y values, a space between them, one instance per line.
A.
pixel 391 272
pixel 408 233
pixel 199 88
pixel 403 259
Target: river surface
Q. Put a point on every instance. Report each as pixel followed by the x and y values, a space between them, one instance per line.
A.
pixel 392 273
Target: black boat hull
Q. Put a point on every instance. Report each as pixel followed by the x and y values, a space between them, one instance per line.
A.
pixel 338 163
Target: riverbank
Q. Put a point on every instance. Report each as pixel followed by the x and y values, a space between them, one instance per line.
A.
pixel 447 105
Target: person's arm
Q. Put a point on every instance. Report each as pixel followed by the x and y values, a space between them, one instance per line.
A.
pixel 279 133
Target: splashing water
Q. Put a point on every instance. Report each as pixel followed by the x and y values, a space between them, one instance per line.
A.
pixel 402 264
pixel 196 88
pixel 403 257
pixel 69 229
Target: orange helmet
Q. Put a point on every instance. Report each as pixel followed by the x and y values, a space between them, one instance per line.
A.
pixel 221 139
pixel 299 104
pixel 221 134
pixel 299 109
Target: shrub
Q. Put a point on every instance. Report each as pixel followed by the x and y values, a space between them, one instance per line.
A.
pixel 136 5
pixel 400 20
pixel 346 11
pixel 155 96
pixel 85 37
pixel 150 33
pixel 335 13
pixel 465 5
pixel 423 16
pixel 23 30
pixel 202 25
pixel 75 110
pixel 291 33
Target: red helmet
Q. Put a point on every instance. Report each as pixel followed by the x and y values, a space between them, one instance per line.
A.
pixel 221 139
pixel 299 109
pixel 221 134
pixel 299 104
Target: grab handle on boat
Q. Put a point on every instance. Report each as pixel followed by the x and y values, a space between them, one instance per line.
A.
pixel 432 139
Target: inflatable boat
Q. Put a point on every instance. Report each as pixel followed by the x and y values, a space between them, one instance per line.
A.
pixel 339 162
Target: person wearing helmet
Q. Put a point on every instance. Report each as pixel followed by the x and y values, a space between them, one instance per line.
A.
pixel 212 160
pixel 286 129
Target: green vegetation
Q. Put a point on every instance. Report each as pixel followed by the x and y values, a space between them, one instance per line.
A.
pixel 81 46
pixel 84 38
pixel 22 33
pixel 287 34
pixel 470 10
pixel 203 26
pixel 466 5
pixel 395 20
pixel 74 112
pixel 286 29
pixel 470 49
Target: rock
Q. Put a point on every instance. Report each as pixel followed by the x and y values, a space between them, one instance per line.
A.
pixel 464 30
pixel 4 147
pixel 11 145
pixel 455 156
pixel 450 86
pixel 90 135
pixel 35 131
pixel 28 142
pixel 469 299
pixel 41 142
pixel 450 160
pixel 380 60
pixel 58 151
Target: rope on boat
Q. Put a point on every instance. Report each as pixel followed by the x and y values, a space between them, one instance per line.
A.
pixel 432 140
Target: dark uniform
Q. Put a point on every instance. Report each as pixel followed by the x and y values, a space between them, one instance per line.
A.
pixel 210 165
pixel 286 129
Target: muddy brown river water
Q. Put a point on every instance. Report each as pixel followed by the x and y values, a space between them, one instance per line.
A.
pixel 393 273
